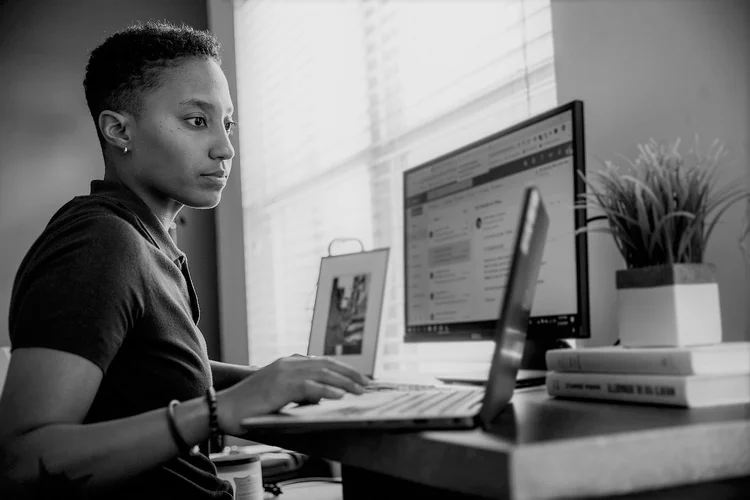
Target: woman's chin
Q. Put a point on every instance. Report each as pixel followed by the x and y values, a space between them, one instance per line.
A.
pixel 203 202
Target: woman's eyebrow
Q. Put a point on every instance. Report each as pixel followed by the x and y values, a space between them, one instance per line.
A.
pixel 204 105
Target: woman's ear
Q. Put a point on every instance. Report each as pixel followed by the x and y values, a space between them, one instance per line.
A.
pixel 115 129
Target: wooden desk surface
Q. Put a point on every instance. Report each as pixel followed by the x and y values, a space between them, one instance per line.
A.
pixel 542 447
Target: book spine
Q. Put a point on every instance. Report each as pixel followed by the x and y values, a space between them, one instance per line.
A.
pixel 632 388
pixel 575 360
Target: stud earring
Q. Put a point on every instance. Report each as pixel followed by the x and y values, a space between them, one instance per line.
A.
pixel 125 151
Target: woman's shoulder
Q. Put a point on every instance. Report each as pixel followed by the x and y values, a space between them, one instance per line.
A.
pixel 98 218
pixel 90 228
pixel 94 209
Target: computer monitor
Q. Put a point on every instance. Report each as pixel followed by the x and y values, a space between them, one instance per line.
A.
pixel 459 215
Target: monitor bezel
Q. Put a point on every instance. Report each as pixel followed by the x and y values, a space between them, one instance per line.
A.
pixel 536 329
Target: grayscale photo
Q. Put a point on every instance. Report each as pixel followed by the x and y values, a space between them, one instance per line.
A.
pixel 347 314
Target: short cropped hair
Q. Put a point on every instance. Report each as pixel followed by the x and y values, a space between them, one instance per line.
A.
pixel 129 63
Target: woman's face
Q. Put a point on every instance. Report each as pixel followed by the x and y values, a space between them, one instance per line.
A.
pixel 181 154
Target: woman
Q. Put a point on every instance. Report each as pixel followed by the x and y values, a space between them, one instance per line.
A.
pixel 109 386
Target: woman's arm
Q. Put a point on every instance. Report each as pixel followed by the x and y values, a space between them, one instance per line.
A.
pixel 227 374
pixel 48 393
pixel 46 397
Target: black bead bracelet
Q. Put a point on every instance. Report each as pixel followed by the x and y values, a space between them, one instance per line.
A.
pixel 213 418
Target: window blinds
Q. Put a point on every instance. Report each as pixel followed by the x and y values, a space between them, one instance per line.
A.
pixel 335 100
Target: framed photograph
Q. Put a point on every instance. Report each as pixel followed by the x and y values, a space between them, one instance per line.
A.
pixel 348 305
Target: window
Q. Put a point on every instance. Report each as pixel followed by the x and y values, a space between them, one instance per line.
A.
pixel 336 99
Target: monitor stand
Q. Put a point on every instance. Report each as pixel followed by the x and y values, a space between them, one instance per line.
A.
pixel 535 351
pixel 533 370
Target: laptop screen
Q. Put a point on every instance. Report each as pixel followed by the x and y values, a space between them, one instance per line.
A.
pixel 510 335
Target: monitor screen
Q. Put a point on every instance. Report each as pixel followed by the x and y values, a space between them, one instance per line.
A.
pixel 460 212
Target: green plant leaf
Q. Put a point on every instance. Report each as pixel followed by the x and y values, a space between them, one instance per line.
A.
pixel 729 201
pixel 664 220
pixel 663 207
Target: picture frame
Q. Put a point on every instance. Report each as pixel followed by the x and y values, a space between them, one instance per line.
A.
pixel 348 308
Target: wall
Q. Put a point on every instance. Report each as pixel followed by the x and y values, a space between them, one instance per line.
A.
pixel 47 138
pixel 660 69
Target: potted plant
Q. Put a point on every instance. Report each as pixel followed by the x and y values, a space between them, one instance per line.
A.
pixel 661 211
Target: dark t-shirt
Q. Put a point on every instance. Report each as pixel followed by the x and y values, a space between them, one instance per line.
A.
pixel 105 281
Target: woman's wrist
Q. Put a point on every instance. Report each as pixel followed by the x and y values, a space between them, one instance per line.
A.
pixel 182 446
pixel 192 421
pixel 228 423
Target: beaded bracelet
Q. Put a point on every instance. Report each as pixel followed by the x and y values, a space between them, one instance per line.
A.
pixel 213 418
pixel 182 446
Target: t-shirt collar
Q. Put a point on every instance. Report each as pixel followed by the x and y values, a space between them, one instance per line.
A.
pixel 120 193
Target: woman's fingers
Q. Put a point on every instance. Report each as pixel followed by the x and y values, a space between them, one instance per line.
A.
pixel 343 370
pixel 315 391
pixel 334 379
pixel 318 378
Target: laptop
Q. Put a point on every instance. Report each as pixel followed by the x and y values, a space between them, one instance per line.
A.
pixel 448 406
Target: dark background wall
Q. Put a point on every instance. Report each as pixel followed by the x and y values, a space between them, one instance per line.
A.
pixel 48 147
pixel 662 69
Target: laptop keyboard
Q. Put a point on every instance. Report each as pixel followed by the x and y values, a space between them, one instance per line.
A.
pixel 395 386
pixel 429 400
pixel 425 402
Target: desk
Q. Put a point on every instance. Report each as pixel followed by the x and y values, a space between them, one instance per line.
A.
pixel 541 447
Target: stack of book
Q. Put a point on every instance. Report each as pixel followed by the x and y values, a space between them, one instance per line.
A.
pixel 708 375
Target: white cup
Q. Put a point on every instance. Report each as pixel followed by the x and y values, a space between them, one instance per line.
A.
pixel 243 470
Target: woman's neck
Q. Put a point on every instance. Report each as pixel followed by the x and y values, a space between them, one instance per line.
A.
pixel 166 211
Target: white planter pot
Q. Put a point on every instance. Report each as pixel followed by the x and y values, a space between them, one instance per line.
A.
pixel 663 306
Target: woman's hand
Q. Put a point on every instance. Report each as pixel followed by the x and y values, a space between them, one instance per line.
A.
pixel 294 379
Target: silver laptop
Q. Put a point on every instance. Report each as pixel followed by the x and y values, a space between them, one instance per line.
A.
pixel 443 407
